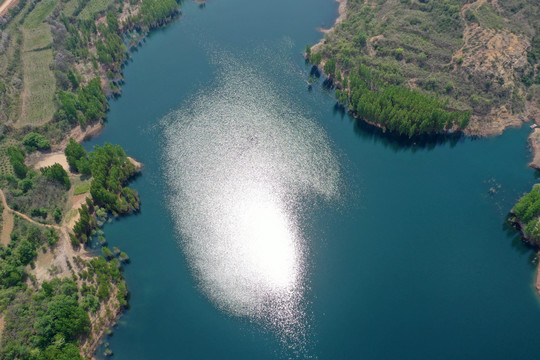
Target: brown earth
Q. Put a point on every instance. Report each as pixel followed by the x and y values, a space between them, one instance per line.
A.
pixel 6 5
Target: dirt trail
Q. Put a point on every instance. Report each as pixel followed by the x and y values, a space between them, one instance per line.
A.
pixel 25 217
pixel 6 5
pixel 1 325
pixel 7 223
pixel 62 253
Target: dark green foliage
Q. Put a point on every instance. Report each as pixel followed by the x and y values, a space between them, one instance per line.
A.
pixel 16 158
pixel 111 51
pixel 107 253
pixel 25 240
pixel 63 317
pixel 57 172
pixel 527 211
pixel 73 79
pixel 397 108
pixel 34 141
pixel 86 222
pixel 157 12
pixel 74 152
pixel 87 106
pixel 110 171
pixel 84 166
pixel 45 323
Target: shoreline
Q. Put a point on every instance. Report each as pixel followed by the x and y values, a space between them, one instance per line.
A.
pixel 342 14
pixel 500 120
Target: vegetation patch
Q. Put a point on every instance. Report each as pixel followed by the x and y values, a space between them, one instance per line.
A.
pixel 82 189
pixel 451 56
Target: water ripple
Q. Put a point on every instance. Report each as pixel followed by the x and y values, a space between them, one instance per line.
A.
pixel 242 165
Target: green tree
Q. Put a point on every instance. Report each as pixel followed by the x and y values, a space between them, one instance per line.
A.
pixel 34 141
pixel 74 151
pixel 57 172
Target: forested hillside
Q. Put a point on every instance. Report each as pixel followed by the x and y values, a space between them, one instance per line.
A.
pixel 60 63
pixel 429 66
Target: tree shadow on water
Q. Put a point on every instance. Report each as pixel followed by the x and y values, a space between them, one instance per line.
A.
pixel 315 71
pixel 517 242
pixel 395 141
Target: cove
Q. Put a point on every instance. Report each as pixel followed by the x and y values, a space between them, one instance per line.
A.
pixel 403 252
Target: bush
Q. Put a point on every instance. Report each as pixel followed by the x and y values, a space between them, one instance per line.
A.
pixel 57 172
pixel 34 141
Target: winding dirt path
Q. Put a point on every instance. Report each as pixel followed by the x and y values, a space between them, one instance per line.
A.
pixel 25 217
pixel 7 223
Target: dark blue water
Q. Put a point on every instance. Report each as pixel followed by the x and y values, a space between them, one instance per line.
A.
pixel 413 263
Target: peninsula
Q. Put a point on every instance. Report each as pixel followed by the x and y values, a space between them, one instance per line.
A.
pixel 424 67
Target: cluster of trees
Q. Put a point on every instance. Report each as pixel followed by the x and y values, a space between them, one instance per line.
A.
pixel 34 141
pixel 45 323
pixel 56 172
pixel 111 169
pixel 393 107
pixel 16 158
pixel 527 212
pixel 155 13
pixel 85 224
pixel 86 106
pixel 396 108
pixel 378 48
pixel 38 195
pixel 111 50
pixel 77 158
pixel 25 240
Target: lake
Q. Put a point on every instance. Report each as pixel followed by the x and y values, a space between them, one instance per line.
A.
pixel 274 226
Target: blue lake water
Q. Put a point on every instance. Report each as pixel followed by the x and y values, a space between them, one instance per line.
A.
pixel 273 226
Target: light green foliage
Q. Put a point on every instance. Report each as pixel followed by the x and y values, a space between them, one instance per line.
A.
pixel 82 189
pixel 316 58
pixel 37 59
pixel 93 7
pixel 40 12
pixel 488 17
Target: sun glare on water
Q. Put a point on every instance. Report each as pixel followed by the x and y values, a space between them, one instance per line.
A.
pixel 267 241
pixel 240 161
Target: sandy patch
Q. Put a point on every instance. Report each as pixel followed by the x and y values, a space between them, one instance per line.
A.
pixel 48 159
pixel 137 164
